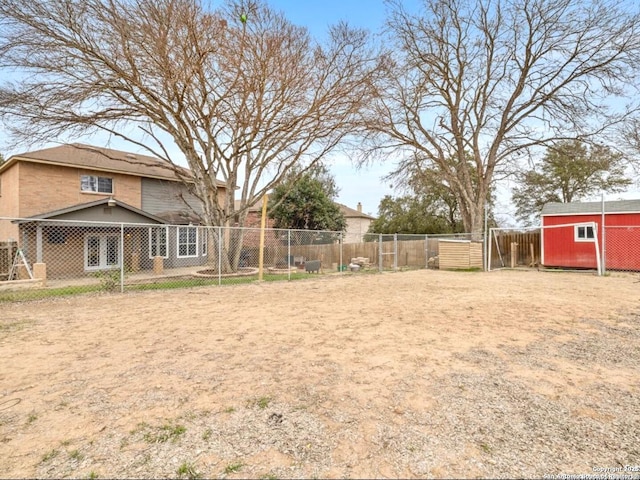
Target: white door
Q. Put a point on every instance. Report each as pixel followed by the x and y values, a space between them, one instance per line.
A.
pixel 101 251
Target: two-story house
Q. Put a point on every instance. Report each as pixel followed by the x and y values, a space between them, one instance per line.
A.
pixel 50 189
pixel 357 222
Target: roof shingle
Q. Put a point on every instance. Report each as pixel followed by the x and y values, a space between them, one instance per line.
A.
pixel 103 159
pixel 585 208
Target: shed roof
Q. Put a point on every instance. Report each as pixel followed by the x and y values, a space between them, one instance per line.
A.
pixel 590 208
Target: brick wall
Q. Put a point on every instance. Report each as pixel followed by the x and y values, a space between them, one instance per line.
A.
pixel 9 202
pixel 45 188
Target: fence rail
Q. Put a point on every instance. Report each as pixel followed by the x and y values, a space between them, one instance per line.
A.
pixel 86 256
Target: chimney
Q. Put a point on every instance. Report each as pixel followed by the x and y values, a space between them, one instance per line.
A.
pixel 359 207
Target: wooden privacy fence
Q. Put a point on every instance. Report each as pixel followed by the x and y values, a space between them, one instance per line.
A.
pixel 410 253
pixel 513 249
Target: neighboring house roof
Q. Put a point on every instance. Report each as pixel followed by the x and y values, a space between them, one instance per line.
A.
pixel 256 207
pixel 590 208
pixel 352 213
pixel 179 217
pixel 101 159
pixel 346 211
pixel 83 206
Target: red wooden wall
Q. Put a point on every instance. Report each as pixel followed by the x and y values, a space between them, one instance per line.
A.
pixel 622 247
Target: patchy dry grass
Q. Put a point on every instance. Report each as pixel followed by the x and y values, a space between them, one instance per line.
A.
pixel 415 374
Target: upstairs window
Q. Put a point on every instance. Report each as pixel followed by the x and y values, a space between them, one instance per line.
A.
pixel 95 184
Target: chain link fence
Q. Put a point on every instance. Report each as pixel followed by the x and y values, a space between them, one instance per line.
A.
pixel 40 258
pixel 583 246
pixel 621 249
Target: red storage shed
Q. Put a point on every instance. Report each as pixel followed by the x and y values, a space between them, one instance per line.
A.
pixel 574 246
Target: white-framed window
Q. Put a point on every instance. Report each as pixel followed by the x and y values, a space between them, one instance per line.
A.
pixel 158 246
pixel 95 184
pixel 204 244
pixel 187 242
pixel 584 233
pixel 101 251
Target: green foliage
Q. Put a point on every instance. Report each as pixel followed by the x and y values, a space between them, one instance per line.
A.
pixel 304 201
pixel 414 214
pixel 76 455
pixel 431 205
pixel 109 279
pixel 188 470
pixel 164 433
pixel 569 171
pixel 50 455
pixel 233 467
pixel 261 402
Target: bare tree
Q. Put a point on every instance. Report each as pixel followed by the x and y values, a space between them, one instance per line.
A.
pixel 241 92
pixel 490 79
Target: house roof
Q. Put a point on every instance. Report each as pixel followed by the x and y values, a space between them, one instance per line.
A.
pixel 179 217
pixel 352 213
pixel 256 207
pixel 590 208
pixel 346 211
pixel 102 159
pixel 83 206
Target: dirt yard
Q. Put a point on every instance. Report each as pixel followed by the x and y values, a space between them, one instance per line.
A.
pixel 414 374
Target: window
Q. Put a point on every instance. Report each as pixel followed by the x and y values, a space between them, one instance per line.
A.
pixel 56 236
pixel 584 233
pixel 187 241
pixel 92 183
pixel 203 246
pixel 158 242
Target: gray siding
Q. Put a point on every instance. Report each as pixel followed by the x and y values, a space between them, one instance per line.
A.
pixel 160 196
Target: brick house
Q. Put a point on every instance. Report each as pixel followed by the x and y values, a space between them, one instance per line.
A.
pixel 49 189
pixel 357 222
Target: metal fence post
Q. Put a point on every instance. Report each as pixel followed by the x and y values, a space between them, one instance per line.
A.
pixel 122 258
pixel 219 256
pixel 603 246
pixel 380 253
pixel 485 247
pixel 341 240
pixel 395 252
pixel 426 251
pixel 289 254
